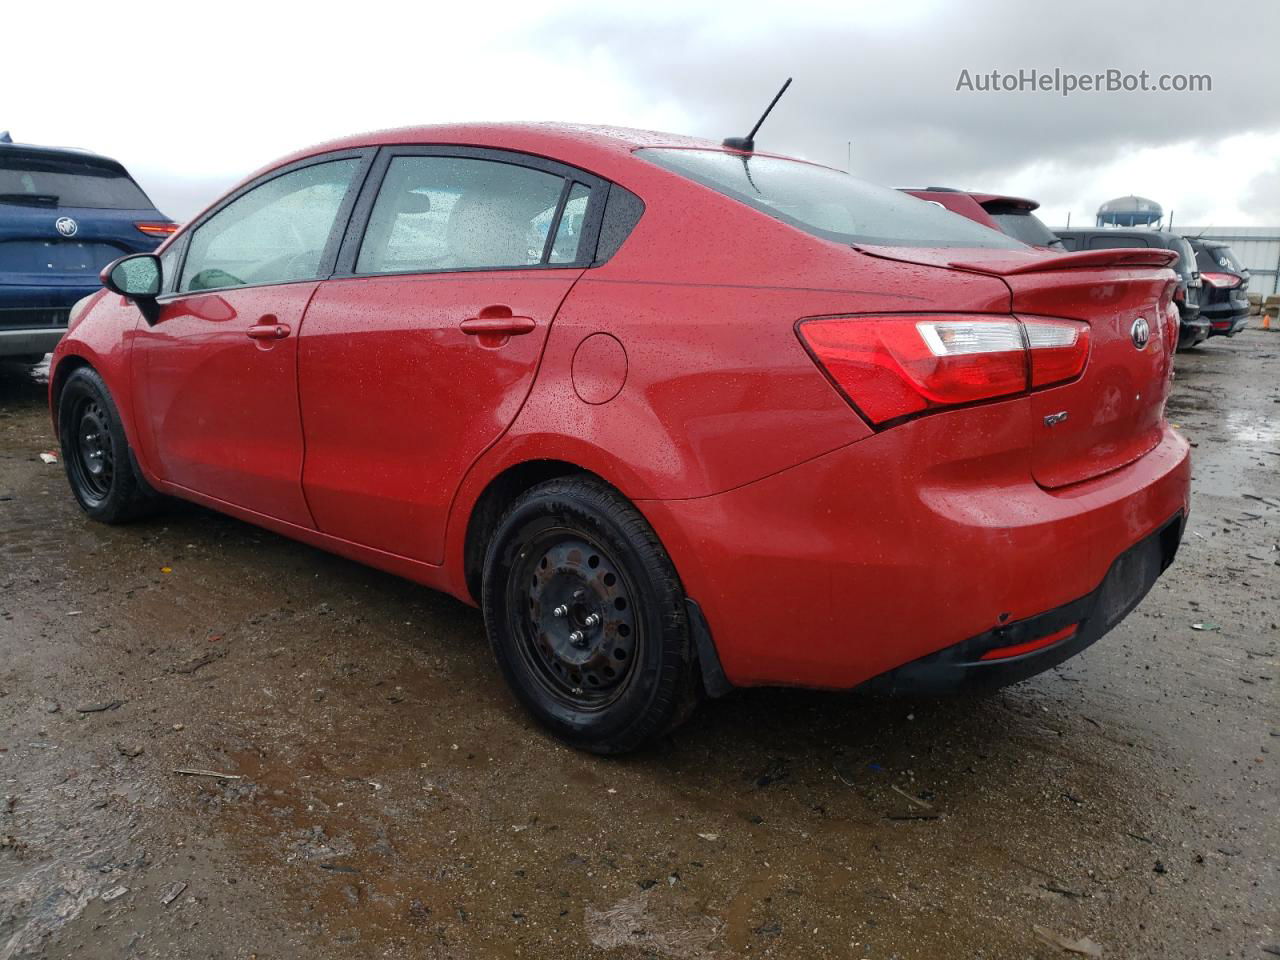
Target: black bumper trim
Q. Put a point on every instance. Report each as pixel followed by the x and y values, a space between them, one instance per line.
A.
pixel 961 669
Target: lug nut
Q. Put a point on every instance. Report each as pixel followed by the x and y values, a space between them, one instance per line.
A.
pixel 561 611
pixel 578 638
pixel 591 619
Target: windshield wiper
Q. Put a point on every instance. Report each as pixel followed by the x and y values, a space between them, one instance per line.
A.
pixel 35 199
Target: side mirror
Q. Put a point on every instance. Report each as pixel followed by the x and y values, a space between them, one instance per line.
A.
pixel 138 277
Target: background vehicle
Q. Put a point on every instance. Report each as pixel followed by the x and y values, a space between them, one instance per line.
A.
pixel 1193 328
pixel 1225 297
pixel 1014 216
pixel 739 420
pixel 64 215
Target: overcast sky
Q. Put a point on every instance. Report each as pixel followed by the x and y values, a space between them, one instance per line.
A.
pixel 192 96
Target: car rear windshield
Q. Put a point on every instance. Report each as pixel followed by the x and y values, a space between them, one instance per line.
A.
pixel 1218 257
pixel 68 182
pixel 825 202
pixel 1021 224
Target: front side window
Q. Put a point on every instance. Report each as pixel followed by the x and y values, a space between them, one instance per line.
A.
pixel 275 233
pixel 827 203
pixel 458 213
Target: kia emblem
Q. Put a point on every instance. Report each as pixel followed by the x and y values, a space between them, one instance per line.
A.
pixel 66 226
pixel 1140 332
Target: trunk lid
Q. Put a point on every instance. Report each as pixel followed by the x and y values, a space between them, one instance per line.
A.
pixel 1113 413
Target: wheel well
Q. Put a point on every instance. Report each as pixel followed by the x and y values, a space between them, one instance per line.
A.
pixel 68 366
pixel 501 492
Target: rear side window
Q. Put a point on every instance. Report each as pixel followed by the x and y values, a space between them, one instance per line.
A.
pixel 1022 224
pixel 438 213
pixel 826 203
pixel 68 182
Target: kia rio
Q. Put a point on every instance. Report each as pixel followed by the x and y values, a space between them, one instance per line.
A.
pixel 677 417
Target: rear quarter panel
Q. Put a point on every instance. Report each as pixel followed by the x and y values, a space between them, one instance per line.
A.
pixel 717 390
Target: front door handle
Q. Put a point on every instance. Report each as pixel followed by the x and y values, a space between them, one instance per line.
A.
pixel 507 326
pixel 267 331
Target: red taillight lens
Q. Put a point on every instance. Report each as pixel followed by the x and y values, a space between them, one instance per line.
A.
pixel 157 229
pixel 1223 281
pixel 1058 348
pixel 892 367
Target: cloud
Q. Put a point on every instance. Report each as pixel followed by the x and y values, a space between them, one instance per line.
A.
pixel 1262 195
pixel 889 86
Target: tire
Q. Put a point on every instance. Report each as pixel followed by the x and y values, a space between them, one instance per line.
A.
pixel 100 466
pixel 566 550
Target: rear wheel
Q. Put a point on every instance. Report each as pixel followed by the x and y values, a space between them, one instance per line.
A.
pixel 587 617
pixel 95 452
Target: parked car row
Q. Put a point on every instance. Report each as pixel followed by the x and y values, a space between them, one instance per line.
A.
pixel 1213 286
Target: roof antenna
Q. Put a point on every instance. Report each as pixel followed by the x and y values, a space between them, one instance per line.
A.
pixel 747 144
pixel 4 137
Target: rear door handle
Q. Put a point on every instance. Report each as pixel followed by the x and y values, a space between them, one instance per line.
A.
pixel 268 331
pixel 501 326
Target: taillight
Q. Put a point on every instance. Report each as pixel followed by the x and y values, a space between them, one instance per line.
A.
pixel 1223 281
pixel 1058 349
pixel 157 229
pixel 892 367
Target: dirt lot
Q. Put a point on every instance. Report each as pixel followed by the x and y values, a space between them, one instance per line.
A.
pixel 390 800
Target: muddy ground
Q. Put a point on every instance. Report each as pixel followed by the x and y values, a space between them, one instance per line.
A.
pixel 390 799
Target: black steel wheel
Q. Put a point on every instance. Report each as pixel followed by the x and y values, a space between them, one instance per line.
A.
pixel 587 617
pixel 95 451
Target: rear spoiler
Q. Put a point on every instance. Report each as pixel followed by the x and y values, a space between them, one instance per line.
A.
pixel 1084 259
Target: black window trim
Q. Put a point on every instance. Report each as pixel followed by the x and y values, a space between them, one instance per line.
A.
pixel 336 233
pixel 344 268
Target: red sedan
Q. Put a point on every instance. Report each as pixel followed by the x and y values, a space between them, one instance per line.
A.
pixel 677 417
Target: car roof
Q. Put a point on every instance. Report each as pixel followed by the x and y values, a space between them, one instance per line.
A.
pixel 593 147
pixel 37 151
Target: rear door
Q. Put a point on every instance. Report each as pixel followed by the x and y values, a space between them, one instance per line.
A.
pixel 217 374
pixel 421 350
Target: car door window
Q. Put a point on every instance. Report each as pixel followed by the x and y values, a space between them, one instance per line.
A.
pixel 275 233
pixel 437 213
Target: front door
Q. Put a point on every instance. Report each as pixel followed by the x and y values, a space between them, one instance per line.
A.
pixel 410 366
pixel 216 376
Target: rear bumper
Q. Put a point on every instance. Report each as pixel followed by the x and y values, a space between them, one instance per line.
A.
pixel 979 664
pixel 18 343
pixel 1226 318
pixel 905 544
pixel 33 317
pixel 1191 332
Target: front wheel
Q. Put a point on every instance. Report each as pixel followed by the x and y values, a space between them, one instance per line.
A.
pixel 587 617
pixel 95 452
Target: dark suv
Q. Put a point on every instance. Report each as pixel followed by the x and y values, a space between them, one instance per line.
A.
pixel 1193 328
pixel 1225 299
pixel 64 215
